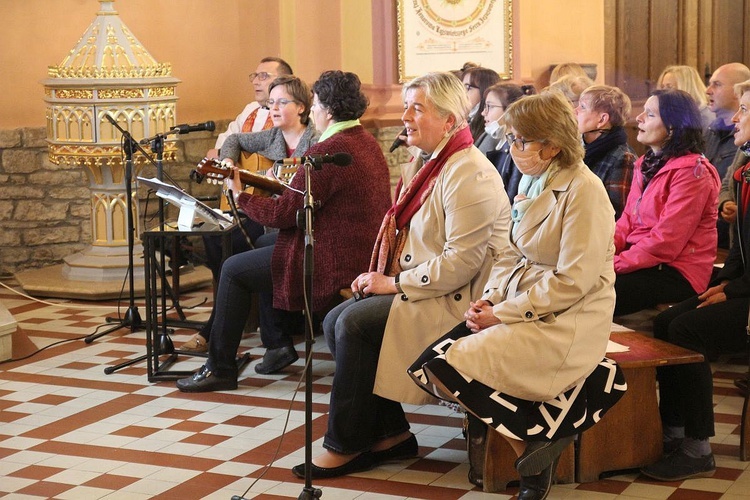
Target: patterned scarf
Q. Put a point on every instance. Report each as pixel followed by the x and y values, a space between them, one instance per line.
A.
pixel 650 165
pixel 394 228
pixel 609 140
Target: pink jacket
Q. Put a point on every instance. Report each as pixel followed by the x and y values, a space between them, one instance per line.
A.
pixel 672 222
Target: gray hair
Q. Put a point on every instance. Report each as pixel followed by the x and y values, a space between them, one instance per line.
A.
pixel 446 92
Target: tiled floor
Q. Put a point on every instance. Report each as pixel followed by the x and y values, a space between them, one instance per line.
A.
pixel 69 431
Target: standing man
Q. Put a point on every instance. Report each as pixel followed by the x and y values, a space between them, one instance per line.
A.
pixel 720 148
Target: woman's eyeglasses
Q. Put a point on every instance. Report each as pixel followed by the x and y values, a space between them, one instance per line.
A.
pixel 470 86
pixel 520 143
pixel 281 102
pixel 490 107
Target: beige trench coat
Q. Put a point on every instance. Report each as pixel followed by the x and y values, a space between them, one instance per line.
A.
pixel 556 304
pixel 452 243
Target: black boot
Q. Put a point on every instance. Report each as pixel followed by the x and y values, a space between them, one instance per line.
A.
pixel 537 487
pixel 476 443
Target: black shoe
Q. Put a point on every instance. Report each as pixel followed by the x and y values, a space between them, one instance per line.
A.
pixel 679 466
pixel 204 380
pixel 276 359
pixel 537 487
pixel 741 384
pixel 475 432
pixel 408 448
pixel 362 462
pixel 540 454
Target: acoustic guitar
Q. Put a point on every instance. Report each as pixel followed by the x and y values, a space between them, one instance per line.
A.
pixel 257 181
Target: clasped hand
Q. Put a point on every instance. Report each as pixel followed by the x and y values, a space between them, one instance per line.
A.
pixel 373 284
pixel 480 316
pixel 713 295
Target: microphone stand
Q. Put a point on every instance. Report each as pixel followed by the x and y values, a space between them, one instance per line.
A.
pixel 132 318
pixel 308 492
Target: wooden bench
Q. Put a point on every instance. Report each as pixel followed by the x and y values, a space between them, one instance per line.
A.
pixel 627 437
pixel 630 434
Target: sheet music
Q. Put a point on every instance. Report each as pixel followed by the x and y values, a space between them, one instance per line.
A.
pixel 181 199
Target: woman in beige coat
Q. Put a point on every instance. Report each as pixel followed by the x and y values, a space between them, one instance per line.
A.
pixel 434 251
pixel 529 360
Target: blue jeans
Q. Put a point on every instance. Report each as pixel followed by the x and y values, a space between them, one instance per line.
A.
pixel 241 276
pixel 357 418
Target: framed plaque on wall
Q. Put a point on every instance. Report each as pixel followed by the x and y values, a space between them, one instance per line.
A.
pixel 442 35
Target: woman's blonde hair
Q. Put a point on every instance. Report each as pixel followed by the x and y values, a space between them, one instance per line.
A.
pixel 564 69
pixel 741 88
pixel 610 100
pixel 446 92
pixel 548 118
pixel 688 79
pixel 571 86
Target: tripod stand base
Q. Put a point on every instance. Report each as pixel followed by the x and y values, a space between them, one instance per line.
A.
pixel 132 320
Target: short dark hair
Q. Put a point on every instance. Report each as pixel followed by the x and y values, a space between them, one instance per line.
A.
pixel 682 119
pixel 284 67
pixel 298 90
pixel 341 94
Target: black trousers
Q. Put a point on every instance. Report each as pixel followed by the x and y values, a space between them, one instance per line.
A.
pixel 212 244
pixel 686 391
pixel 646 288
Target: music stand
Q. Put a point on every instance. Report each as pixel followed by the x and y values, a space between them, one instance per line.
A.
pixel 132 318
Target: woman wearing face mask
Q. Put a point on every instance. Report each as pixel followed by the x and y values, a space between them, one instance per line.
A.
pixel 532 348
pixel 666 236
pixel 601 113
pixel 710 323
pixel 497 99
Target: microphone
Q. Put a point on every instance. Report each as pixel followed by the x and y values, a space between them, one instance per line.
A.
pixel 110 119
pixel 398 142
pixel 200 127
pixel 338 159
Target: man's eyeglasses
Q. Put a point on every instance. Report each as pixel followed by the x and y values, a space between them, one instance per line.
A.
pixel 262 76
pixel 520 143
pixel 281 102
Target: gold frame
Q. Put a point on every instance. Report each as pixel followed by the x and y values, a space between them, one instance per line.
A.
pixel 441 35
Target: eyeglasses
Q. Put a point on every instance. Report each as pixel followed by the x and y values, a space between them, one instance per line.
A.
pixel 520 143
pixel 281 102
pixel 490 107
pixel 470 86
pixel 262 76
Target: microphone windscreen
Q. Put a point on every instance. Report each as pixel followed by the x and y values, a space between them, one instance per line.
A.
pixel 342 159
pixel 210 126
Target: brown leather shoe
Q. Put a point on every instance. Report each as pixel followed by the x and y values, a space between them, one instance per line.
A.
pixel 196 344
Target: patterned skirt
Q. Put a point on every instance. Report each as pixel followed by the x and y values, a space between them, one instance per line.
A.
pixel 571 412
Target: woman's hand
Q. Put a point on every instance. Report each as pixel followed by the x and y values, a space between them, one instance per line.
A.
pixel 233 182
pixel 729 211
pixel 713 295
pixel 374 284
pixel 480 316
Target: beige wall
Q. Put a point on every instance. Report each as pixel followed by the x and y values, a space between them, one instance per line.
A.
pixel 213 45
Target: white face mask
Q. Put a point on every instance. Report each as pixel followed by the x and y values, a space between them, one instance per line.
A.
pixel 493 129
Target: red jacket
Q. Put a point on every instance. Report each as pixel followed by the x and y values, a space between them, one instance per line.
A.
pixel 352 202
pixel 672 222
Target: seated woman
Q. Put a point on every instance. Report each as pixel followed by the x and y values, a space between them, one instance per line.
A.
pixel 529 359
pixel 351 199
pixel 434 251
pixel 497 99
pixel 686 78
pixel 292 134
pixel 665 240
pixel 477 81
pixel 711 323
pixel 601 113
pixel 571 87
